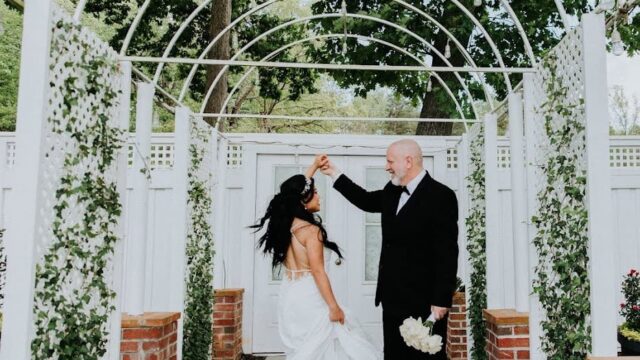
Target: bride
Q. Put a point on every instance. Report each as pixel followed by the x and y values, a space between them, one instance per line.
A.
pixel 312 324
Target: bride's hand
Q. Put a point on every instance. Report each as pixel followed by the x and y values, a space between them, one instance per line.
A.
pixel 320 161
pixel 336 315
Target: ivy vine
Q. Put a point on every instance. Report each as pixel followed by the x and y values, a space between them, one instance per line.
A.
pixel 198 320
pixel 73 299
pixel 561 275
pixel 476 247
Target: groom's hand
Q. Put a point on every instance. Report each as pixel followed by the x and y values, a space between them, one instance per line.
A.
pixel 439 312
pixel 328 168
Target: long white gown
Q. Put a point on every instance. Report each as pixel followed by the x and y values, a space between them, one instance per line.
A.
pixel 305 328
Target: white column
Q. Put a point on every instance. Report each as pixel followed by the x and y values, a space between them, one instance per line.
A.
pixel 519 203
pixel 535 308
pixel 219 194
pixel 181 165
pixel 495 286
pixel 138 221
pixel 463 212
pixel 122 164
pixel 23 219
pixel 602 267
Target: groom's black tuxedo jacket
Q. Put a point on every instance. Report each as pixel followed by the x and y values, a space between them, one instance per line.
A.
pixel 419 258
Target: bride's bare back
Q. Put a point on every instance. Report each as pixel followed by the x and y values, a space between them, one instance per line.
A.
pixel 297 261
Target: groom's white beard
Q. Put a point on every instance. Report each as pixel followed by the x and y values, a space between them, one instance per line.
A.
pixel 396 179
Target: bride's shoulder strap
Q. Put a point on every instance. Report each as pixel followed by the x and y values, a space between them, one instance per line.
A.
pixel 301 224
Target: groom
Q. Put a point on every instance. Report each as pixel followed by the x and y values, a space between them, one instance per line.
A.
pixel 419 258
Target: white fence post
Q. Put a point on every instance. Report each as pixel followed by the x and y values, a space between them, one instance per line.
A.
pixel 23 219
pixel 136 250
pixel 219 191
pixel 535 308
pixel 463 212
pixel 519 203
pixel 602 269
pixel 122 164
pixel 180 197
pixel 495 286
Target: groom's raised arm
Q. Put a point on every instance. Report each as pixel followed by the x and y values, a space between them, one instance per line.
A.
pixel 369 201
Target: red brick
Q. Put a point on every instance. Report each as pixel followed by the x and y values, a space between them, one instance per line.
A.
pixel 504 330
pixel 151 346
pixel 501 354
pixel 129 346
pixel 523 355
pixel 521 330
pixel 512 342
pixel 141 333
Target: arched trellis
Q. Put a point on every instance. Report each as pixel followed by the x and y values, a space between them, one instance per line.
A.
pixel 324 16
pixel 367 38
pixel 467 13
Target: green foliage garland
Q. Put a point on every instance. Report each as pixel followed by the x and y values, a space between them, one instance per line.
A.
pixel 73 300
pixel 476 246
pixel 561 275
pixel 199 278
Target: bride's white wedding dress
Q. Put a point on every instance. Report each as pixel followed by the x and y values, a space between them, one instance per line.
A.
pixel 305 328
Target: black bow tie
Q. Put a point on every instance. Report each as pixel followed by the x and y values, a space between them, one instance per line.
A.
pixel 404 189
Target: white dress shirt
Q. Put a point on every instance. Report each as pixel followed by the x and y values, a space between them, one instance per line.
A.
pixel 404 197
pixel 411 186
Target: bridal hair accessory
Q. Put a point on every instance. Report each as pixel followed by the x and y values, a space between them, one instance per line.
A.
pixel 307 186
pixel 419 335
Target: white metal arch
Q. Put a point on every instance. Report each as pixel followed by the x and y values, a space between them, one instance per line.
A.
pixel 368 38
pixel 323 16
pixel 82 3
pixel 412 8
pixel 204 53
pixel 488 38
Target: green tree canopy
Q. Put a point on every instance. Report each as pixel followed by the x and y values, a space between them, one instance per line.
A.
pixel 540 19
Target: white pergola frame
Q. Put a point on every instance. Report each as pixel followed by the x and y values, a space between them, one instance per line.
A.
pixel 201 60
pixel 183 115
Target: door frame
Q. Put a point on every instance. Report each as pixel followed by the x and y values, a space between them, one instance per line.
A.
pixel 337 145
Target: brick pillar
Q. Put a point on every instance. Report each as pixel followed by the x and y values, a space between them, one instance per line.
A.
pixel 152 336
pixel 507 334
pixel 227 324
pixel 457 328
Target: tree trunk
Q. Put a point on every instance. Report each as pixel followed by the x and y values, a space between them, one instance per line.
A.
pixel 220 19
pixel 430 106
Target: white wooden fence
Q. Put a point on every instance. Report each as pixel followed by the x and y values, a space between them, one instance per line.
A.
pixel 624 161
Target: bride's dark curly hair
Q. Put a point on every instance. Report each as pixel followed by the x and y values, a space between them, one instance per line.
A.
pixel 283 208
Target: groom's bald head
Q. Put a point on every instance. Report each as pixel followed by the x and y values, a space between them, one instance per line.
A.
pixel 407 148
pixel 404 161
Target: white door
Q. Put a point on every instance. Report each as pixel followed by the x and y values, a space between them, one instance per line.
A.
pixel 357 233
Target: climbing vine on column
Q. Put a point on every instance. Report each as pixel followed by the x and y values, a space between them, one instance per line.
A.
pixel 476 247
pixel 561 275
pixel 73 299
pixel 198 319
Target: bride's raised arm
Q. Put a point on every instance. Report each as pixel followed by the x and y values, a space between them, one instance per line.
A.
pixel 318 162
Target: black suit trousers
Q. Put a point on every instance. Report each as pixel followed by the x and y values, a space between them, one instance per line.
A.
pixel 395 347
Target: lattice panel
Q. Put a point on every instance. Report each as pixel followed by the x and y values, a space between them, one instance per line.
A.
pixel 624 157
pixel 452 159
pixel 72 49
pixel 504 157
pixel 569 69
pixel 234 156
pixel 11 154
pixel 161 156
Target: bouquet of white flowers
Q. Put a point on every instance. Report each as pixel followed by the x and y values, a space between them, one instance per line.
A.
pixel 419 335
